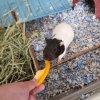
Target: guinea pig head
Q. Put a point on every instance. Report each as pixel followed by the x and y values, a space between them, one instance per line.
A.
pixel 53 49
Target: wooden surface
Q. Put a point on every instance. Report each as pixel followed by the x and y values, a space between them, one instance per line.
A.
pixel 28 10
pixel 54 63
pixel 76 94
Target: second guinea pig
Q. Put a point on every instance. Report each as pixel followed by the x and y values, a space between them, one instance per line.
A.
pixel 56 47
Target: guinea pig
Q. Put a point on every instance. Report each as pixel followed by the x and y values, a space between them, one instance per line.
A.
pixel 56 47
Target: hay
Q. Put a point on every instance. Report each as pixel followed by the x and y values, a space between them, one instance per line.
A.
pixel 15 62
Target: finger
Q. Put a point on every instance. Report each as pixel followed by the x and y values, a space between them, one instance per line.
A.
pixel 31 84
pixel 32 97
pixel 38 89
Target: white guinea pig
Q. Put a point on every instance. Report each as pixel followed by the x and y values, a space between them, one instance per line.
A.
pixel 63 35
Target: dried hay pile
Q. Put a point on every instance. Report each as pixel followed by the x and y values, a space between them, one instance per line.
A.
pixel 15 62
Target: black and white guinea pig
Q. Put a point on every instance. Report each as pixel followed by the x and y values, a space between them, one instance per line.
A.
pixel 56 47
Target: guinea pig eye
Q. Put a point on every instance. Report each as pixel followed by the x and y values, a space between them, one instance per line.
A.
pixel 55 49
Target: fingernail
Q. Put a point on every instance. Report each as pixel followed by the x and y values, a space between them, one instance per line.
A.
pixel 42 86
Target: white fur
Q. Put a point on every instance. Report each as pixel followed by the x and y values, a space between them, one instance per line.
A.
pixel 64 32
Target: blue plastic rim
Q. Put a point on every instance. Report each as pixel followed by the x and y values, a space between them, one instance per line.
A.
pixel 28 10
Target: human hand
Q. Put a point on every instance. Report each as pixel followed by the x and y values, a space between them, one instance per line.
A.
pixel 20 90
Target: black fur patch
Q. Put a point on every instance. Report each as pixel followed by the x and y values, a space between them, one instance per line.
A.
pixel 60 50
pixel 53 49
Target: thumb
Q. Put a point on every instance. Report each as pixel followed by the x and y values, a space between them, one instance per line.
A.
pixel 31 84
